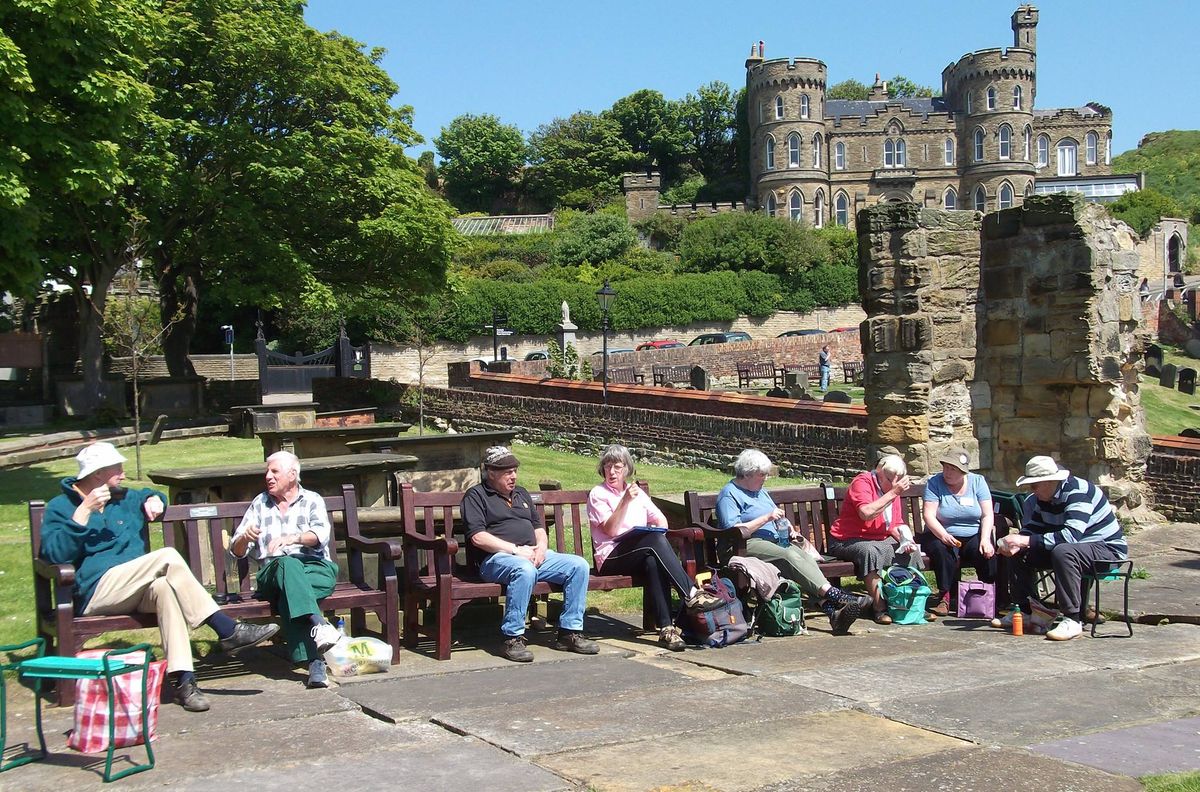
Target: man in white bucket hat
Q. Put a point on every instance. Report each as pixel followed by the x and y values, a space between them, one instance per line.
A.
pixel 96 526
pixel 1069 526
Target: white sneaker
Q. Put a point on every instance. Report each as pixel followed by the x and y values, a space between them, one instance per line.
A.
pixel 325 636
pixel 1065 630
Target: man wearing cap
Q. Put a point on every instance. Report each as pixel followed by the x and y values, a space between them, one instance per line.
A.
pixel 509 548
pixel 959 528
pixel 289 527
pixel 1067 525
pixel 96 526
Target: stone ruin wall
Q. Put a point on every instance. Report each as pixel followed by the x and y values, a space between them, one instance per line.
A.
pixel 1013 336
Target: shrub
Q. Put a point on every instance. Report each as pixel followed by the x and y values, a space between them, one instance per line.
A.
pixel 596 238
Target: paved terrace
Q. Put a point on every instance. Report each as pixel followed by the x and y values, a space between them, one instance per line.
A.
pixel 954 705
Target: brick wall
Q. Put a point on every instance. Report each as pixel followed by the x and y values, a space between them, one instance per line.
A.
pixel 1173 473
pixel 661 436
pixel 211 367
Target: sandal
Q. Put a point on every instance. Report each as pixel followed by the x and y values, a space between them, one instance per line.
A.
pixel 881 617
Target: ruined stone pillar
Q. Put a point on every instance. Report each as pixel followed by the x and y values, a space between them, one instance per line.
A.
pixel 1060 346
pixel 919 277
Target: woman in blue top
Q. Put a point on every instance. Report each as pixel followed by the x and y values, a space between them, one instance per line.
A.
pixel 958 526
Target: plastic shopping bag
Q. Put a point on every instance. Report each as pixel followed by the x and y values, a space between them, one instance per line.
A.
pixel 356 656
pixel 90 734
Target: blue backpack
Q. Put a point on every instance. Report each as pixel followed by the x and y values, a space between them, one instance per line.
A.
pixel 720 627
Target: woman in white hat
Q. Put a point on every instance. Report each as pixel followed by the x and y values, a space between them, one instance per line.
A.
pixel 959 529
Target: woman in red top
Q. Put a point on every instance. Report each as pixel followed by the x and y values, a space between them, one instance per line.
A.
pixel 867 531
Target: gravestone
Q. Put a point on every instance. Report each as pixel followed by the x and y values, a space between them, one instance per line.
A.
pixel 1154 357
pixel 699 379
pixel 837 397
pixel 1190 432
pixel 1187 381
pixel 777 393
pixel 1167 378
pixel 1192 348
pixel 1153 370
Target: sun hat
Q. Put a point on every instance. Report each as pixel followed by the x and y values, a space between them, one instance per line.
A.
pixel 957 457
pixel 500 457
pixel 1042 468
pixel 96 456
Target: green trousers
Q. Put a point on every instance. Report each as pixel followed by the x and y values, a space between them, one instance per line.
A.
pixel 792 562
pixel 293 584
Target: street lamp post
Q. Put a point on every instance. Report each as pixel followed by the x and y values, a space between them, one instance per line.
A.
pixel 229 340
pixel 605 296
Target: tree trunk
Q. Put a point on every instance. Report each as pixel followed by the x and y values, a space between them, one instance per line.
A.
pixel 178 296
pixel 91 337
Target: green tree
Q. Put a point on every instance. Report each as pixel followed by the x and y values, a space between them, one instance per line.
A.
pixel 651 126
pixel 709 116
pixel 481 160
pixel 1142 209
pixel 427 165
pixel 594 238
pixel 273 173
pixel 848 89
pixel 900 87
pixel 751 241
pixel 577 161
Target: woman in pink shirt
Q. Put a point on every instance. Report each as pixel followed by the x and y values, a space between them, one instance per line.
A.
pixel 629 538
pixel 867 531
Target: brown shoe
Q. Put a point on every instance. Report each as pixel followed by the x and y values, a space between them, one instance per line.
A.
pixel 672 638
pixel 941 607
pixel 881 617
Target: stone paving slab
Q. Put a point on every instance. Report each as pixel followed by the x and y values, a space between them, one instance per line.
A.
pixel 531 727
pixel 877 680
pixel 422 697
pixel 1018 714
pixel 967 770
pixel 1171 747
pixel 721 759
pixel 821 650
pixel 1113 648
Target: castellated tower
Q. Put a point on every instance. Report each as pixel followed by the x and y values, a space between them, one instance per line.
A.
pixel 1024 25
pixel 789 171
pixel 991 93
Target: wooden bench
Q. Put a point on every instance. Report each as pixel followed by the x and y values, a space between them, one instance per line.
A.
pixel 670 375
pixel 439 579
pixel 748 372
pixel 812 511
pixel 187 528
pixel 852 371
pixel 623 375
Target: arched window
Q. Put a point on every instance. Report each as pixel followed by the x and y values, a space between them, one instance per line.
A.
pixel 793 150
pixel 817 150
pixel 795 206
pixel 1005 142
pixel 839 156
pixel 804 105
pixel 1028 189
pixel 771 207
pixel 1028 142
pixel 991 98
pixel 1068 157
pixel 1108 148
pixel 949 151
pixel 1006 195
pixel 841 209
pixel 901 154
pixel 950 199
pixel 1016 97
pixel 1093 143
pixel 980 199
pixel 889 153
pixel 778 107
pixel 1043 151
pixel 979 144
pixel 819 209
pixel 770 153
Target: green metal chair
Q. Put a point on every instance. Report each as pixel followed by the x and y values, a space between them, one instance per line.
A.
pixel 1108 570
pixel 106 667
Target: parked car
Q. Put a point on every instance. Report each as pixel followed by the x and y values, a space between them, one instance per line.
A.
pixel 719 338
pixel 853 328
pixel 539 354
pixel 612 351
pixel 660 343
pixel 790 333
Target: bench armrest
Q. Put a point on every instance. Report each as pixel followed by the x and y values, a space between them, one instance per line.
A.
pixel 385 547
pixel 59 574
pixel 438 544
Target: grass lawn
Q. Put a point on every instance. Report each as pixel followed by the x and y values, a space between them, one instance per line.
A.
pixel 1167 410
pixel 1172 782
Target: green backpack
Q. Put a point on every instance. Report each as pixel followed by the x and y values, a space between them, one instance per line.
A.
pixel 783 614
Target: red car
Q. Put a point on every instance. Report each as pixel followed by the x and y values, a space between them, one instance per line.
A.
pixel 660 343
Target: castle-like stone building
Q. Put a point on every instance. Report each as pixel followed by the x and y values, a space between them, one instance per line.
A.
pixel 982 145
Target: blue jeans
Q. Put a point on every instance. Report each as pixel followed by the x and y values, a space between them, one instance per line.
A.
pixel 825 377
pixel 519 576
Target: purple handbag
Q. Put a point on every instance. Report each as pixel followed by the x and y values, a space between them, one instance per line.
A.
pixel 976 599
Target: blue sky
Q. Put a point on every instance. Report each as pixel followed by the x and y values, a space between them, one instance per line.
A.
pixel 529 62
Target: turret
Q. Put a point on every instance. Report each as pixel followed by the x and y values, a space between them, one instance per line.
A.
pixel 1024 25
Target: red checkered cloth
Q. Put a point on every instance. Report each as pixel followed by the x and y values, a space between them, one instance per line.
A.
pixel 90 734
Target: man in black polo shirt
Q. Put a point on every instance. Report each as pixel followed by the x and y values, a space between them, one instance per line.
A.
pixel 504 543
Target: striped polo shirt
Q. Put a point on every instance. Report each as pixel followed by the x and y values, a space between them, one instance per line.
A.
pixel 1078 512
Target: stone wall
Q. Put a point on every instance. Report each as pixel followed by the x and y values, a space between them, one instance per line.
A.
pixel 919 274
pixel 655 435
pixel 1173 472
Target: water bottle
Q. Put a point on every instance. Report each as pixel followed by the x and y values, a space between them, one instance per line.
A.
pixel 341 626
pixel 783 532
